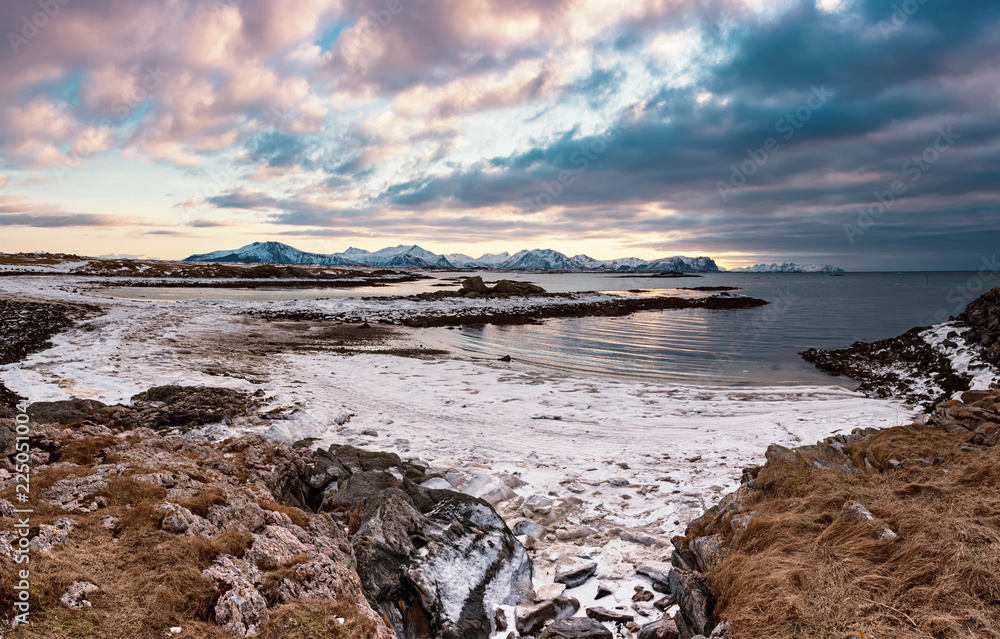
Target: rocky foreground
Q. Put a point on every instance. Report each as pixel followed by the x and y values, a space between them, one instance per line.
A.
pixel 249 537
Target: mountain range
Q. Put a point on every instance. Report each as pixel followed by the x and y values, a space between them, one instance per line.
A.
pixel 416 257
pixel 788 267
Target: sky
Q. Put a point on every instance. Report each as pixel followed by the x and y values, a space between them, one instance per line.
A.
pixel 859 133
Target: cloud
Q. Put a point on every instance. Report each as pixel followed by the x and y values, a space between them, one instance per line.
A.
pixel 644 121
pixel 15 211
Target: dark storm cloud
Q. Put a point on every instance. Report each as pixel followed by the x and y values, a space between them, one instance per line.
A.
pixel 903 102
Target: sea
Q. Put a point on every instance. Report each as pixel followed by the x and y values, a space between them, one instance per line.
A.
pixel 758 345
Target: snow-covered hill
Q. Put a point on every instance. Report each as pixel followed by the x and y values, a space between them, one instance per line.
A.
pixel 269 252
pixel 414 256
pixel 788 267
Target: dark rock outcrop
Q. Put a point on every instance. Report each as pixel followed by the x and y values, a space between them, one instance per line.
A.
pixel 576 628
pixel 438 563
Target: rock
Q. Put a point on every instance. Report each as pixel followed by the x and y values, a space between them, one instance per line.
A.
pixel 440 560
pixel 657 574
pixel 709 550
pixel 538 504
pixel 549 591
pixel 575 575
pixel 642 595
pixel 577 628
pixel 500 620
pixel 487 487
pixel 721 631
pixel 511 287
pixel 358 486
pixel 275 545
pixel 6 509
pixel 530 619
pixel 73 492
pixel 183 407
pixel 474 285
pixel 603 614
pixel 665 602
pixel 603 590
pixel 241 611
pixel 109 522
pixel 76 596
pixel 572 533
pixel 8 442
pixel 694 596
pixel 231 571
pixel 72 411
pixel 618 482
pixel 528 528
pixel 51 535
pixel 176 518
pixel 665 628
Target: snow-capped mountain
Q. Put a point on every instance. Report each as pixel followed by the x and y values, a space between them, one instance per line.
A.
pixel 396 256
pixel 788 267
pixel 269 252
pixel 539 260
pixel 488 260
pixel 413 256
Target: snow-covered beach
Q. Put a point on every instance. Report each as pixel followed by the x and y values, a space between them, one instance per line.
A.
pixel 610 468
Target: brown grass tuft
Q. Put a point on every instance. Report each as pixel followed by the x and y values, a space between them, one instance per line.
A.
pixel 317 619
pixel 298 517
pixel 799 570
pixel 84 451
pixel 203 501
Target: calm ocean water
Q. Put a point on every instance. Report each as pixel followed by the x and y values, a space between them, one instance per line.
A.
pixel 749 345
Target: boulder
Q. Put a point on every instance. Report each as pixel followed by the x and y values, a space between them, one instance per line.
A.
pixel 474 285
pixel 241 611
pixel 71 493
pixel 438 563
pixel 531 618
pixel 511 287
pixel 709 550
pixel 51 535
pixel 664 628
pixel 603 614
pixel 575 575
pixel 694 596
pixel 76 596
pixel 577 628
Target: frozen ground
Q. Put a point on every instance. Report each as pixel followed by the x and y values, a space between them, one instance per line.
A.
pixel 610 468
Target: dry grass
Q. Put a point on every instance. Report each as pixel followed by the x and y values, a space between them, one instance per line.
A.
pixel 203 501
pixel 298 517
pixel 801 571
pixel 148 580
pixel 317 619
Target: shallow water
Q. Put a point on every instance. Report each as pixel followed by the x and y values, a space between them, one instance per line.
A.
pixel 748 345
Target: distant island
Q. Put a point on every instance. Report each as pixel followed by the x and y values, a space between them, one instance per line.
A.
pixel 415 257
pixel 788 267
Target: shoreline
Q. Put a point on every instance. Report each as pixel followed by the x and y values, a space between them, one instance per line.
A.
pixel 681 444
